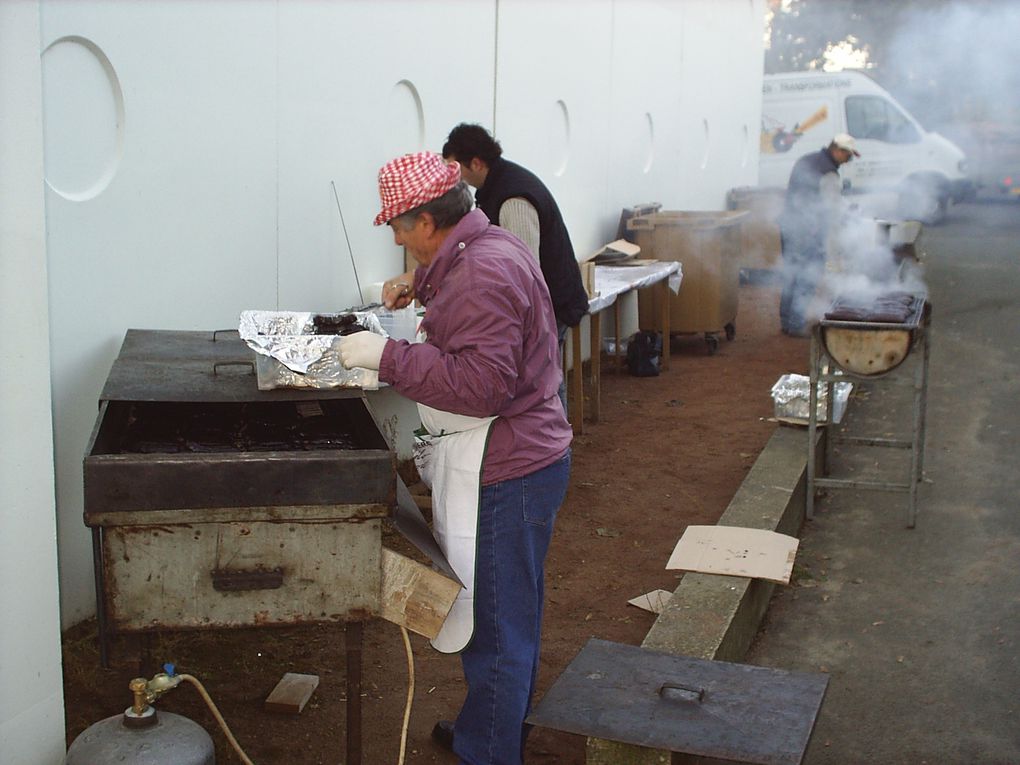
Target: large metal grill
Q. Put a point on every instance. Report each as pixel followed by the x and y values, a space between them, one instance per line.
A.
pixel 868 340
pixel 214 504
pixel 874 336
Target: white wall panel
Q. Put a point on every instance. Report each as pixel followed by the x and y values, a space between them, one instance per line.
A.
pixel 192 147
pixel 31 689
pixel 362 83
pixel 646 145
pixel 721 98
pixel 183 233
pixel 553 101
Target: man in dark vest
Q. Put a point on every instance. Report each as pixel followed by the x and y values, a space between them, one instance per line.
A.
pixel 515 199
pixel 811 208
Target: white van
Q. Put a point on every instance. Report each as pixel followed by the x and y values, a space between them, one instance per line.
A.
pixel 904 170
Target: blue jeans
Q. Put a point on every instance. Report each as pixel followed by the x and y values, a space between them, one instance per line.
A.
pixel 803 268
pixel 515 524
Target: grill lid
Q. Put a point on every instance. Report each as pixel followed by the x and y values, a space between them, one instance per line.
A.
pixel 662 701
pixel 173 365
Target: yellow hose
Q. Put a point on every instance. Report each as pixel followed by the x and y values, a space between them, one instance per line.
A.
pixel 219 718
pixel 244 757
pixel 410 693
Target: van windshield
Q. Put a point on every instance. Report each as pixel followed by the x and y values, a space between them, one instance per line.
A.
pixel 874 118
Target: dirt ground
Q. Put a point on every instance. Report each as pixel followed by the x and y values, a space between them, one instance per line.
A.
pixel 669 451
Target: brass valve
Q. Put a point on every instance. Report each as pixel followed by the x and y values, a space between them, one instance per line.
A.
pixel 145 692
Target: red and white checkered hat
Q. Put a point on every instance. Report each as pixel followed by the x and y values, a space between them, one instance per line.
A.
pixel 412 180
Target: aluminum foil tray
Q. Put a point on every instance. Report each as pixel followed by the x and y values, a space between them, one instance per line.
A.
pixel 289 355
pixel 791 399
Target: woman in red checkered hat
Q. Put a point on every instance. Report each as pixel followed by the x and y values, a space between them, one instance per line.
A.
pixel 486 381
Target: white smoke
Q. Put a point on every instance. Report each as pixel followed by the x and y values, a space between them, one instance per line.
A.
pixel 868 258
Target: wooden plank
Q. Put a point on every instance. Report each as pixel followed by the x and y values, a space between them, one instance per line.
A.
pixel 292 693
pixel 413 595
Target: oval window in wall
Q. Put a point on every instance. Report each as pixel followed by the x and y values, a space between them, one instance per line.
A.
pixel 648 145
pixel 83 118
pixel 704 156
pixel 560 138
pixel 405 120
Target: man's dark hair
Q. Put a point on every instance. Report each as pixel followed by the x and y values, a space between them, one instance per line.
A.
pixel 466 142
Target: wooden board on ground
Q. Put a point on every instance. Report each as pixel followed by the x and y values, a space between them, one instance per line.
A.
pixel 292 693
pixel 413 595
pixel 735 551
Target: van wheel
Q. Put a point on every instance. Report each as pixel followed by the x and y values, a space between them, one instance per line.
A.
pixel 924 202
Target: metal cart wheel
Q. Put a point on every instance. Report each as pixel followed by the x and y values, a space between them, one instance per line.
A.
pixel 713 344
pixel 731 331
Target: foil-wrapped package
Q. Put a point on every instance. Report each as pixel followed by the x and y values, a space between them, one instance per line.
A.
pixel 291 355
pixel 791 399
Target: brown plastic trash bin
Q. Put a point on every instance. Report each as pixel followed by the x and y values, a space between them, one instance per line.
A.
pixel 707 244
pixel 760 247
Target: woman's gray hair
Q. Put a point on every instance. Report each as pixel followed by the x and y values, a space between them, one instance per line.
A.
pixel 446 210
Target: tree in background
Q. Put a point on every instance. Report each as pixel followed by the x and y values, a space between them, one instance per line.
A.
pixel 947 61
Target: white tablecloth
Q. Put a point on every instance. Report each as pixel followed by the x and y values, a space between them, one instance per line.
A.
pixel 613 281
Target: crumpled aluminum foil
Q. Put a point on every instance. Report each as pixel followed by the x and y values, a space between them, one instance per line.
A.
pixel 791 398
pixel 290 356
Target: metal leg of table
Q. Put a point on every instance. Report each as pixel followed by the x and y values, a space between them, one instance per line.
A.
pixel 664 307
pixel 352 644
pixel 576 382
pixel 595 332
pixel 619 340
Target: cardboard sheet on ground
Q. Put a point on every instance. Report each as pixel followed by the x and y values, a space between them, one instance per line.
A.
pixel 735 551
pixel 654 601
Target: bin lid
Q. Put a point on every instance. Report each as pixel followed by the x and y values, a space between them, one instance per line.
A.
pixel 683 704
pixel 690 218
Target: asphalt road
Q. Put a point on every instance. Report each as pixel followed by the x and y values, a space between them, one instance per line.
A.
pixel 919 629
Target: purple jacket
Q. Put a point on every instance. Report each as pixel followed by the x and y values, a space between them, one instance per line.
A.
pixel 491 347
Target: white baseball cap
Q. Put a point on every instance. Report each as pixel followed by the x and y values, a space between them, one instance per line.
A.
pixel 846 141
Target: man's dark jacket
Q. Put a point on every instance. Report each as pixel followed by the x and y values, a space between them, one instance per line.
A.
pixel 804 214
pixel 506 180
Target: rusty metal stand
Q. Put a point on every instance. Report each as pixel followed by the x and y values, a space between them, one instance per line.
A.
pixel 97 570
pixel 824 369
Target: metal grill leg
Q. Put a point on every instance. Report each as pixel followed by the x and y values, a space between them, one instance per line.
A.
pixel 813 361
pixel 97 570
pixel 923 425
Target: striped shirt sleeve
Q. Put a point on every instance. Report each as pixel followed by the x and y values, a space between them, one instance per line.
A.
pixel 518 216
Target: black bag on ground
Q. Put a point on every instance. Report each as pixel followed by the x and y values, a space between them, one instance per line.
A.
pixel 644 351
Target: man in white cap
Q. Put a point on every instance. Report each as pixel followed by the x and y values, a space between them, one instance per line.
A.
pixel 812 207
pixel 486 381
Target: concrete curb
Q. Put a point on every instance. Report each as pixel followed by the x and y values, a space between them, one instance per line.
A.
pixel 717 617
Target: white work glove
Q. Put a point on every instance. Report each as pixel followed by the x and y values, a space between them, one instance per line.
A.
pixel 362 349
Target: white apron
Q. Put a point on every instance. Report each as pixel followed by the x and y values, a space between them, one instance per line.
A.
pixel 458 447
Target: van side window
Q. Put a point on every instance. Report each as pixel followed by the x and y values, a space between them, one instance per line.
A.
pixel 874 118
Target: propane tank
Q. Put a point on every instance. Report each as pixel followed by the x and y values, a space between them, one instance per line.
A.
pixel 140 736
